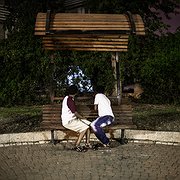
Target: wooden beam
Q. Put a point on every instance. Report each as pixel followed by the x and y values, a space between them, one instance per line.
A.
pixel 86 49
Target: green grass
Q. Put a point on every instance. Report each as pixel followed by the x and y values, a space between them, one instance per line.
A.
pixel 20 119
pixel 146 110
pixel 157 117
pixel 6 112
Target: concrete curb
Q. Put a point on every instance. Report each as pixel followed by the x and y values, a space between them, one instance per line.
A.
pixel 158 137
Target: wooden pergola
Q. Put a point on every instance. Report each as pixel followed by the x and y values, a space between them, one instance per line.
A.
pixel 89 32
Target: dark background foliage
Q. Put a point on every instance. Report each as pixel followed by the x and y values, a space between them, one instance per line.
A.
pixel 27 71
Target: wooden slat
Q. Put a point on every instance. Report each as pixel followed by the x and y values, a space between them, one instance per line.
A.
pixel 123 120
pixel 56 118
pixel 86 106
pixel 56 115
pixel 54 48
pixel 72 23
pixel 85 46
pixel 85 40
pixel 113 127
pixel 85 17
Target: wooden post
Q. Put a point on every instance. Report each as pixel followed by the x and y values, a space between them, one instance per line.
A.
pixel 113 63
pixel 119 83
pixel 51 87
pixel 118 86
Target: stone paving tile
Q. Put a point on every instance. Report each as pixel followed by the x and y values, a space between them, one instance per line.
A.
pixel 131 161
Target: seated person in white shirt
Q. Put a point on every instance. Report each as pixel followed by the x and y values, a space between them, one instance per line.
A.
pixel 72 120
pixel 103 105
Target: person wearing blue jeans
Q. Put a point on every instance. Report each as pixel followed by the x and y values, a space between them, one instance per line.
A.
pixel 105 116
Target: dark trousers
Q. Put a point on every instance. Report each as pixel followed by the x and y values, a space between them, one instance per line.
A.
pixel 97 126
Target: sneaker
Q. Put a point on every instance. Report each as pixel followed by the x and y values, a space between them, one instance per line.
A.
pixel 79 149
pixel 88 146
pixel 96 146
pixel 106 145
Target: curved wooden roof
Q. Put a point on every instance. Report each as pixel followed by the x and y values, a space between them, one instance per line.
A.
pixel 87 32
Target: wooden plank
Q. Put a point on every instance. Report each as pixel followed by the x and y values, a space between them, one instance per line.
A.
pixel 89 17
pixel 84 40
pixel 87 43
pixel 70 16
pixel 117 117
pixel 90 35
pixel 115 127
pixel 57 23
pixel 56 105
pixel 118 121
pixel 111 127
pixel 88 114
pixel 85 49
pixel 90 28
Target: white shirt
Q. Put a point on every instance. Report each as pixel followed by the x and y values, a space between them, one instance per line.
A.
pixel 67 114
pixel 104 105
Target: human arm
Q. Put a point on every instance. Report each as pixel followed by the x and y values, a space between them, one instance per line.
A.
pixel 73 109
pixel 95 107
pixel 78 115
pixel 96 102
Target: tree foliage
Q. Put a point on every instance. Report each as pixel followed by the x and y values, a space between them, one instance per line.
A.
pixel 160 70
pixel 155 64
pixel 21 62
pixel 149 10
pixel 27 70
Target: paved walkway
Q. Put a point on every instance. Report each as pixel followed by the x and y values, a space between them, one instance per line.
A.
pixel 130 161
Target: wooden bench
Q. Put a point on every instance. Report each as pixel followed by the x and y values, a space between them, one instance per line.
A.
pixel 51 120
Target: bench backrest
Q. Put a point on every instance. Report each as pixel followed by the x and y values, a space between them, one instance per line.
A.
pixel 51 118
